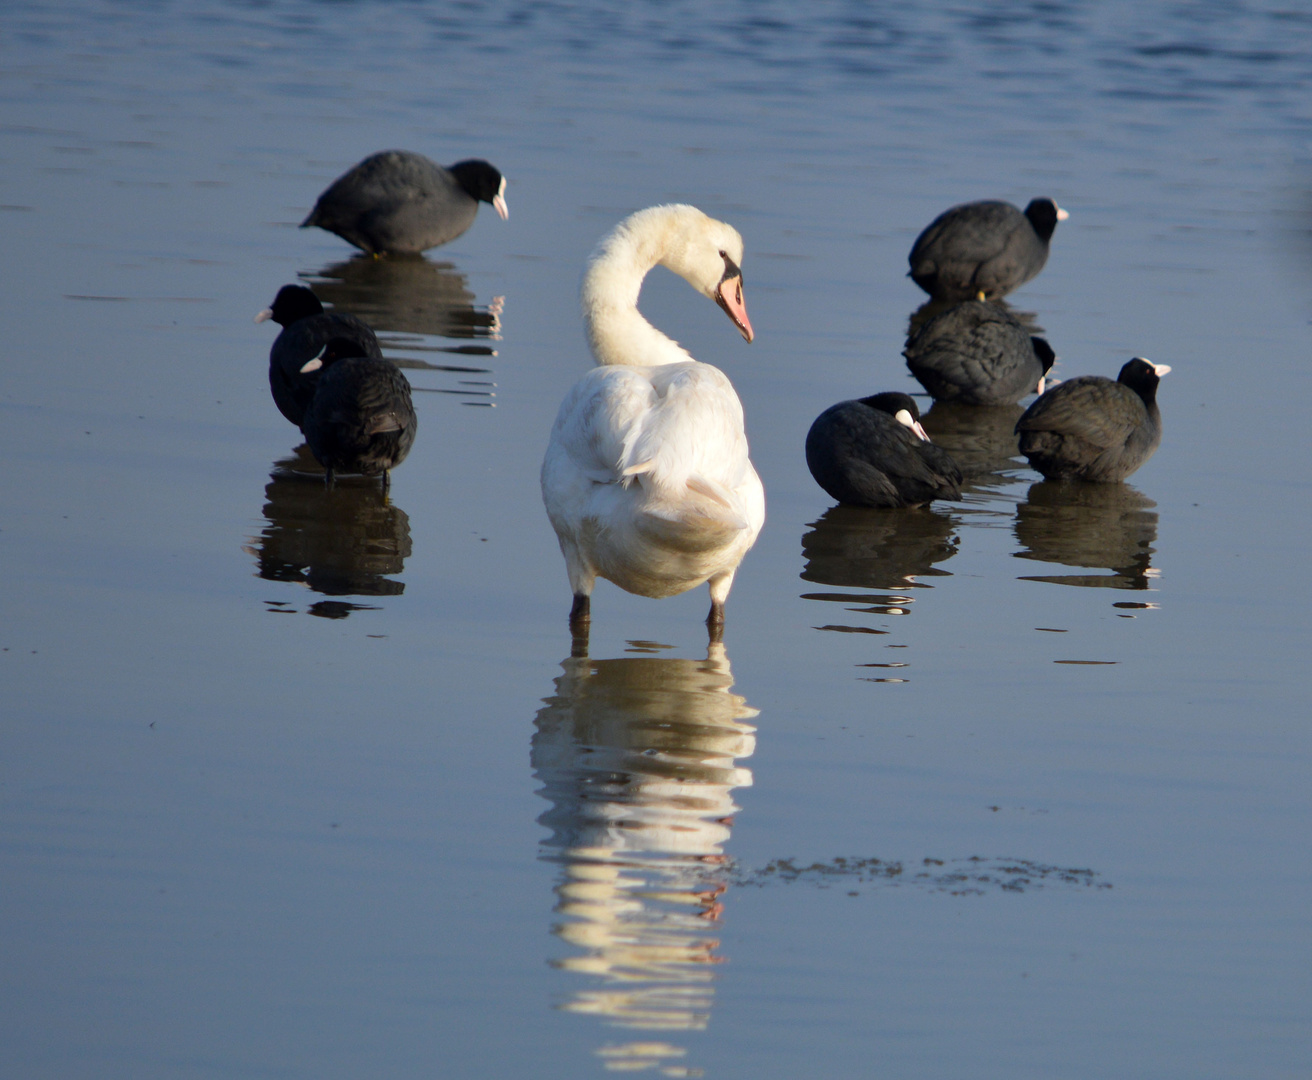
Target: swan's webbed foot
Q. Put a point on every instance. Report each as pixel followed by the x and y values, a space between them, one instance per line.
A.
pixel 715 621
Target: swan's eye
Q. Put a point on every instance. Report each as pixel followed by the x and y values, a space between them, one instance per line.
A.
pixel 723 254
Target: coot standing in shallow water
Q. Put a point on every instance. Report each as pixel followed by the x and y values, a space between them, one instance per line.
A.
pixel 1092 428
pixel 307 328
pixel 361 419
pixel 873 452
pixel 983 250
pixel 979 354
pixel 397 202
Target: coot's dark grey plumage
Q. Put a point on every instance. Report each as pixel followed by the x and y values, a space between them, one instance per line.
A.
pixel 307 328
pixel 401 203
pixel 1095 429
pixel 978 354
pixel 983 250
pixel 873 452
pixel 361 419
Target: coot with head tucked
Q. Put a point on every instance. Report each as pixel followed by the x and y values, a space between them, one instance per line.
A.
pixel 983 250
pixel 873 452
pixel 361 419
pixel 307 328
pixel 401 203
pixel 1092 428
pixel 978 354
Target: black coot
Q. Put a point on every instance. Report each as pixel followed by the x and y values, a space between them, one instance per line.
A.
pixel 978 354
pixel 307 328
pixel 873 452
pixel 983 250
pixel 1091 428
pixel 361 419
pixel 401 203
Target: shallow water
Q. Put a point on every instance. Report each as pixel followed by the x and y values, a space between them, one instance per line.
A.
pixel 926 813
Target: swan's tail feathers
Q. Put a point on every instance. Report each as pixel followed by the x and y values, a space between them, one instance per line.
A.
pixel 689 531
pixel 706 517
pixel 714 491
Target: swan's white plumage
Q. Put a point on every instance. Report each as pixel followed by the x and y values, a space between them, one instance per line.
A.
pixel 647 479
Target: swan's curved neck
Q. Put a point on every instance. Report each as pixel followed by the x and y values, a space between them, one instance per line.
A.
pixel 618 333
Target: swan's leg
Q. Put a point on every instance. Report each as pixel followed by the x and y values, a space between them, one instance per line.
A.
pixel 580 611
pixel 582 578
pixel 720 585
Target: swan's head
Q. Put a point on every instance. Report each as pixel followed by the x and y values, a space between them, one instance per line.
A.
pixel 706 253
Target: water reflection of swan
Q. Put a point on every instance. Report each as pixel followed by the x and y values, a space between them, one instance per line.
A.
pixel 860 548
pixel 407 299
pixel 347 542
pixel 1109 526
pixel 637 757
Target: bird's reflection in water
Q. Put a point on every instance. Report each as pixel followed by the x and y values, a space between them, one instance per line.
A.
pixel 980 438
pixel 638 758
pixel 861 548
pixel 1109 526
pixel 409 302
pixel 931 308
pixel 349 541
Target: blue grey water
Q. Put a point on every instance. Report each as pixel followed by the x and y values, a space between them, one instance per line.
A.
pixel 307 785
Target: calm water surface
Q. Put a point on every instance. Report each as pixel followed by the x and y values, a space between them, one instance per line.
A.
pixel 1011 787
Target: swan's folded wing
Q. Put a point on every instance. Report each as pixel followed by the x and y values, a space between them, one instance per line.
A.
pixel 600 419
pixel 693 433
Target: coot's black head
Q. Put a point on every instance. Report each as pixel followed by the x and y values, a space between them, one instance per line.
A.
pixel 1142 376
pixel 901 407
pixel 1044 352
pixel 293 303
pixel 482 180
pixel 1044 215
pixel 338 348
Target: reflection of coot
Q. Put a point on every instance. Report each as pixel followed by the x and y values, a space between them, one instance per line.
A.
pixel 346 542
pixel 1108 526
pixel 408 295
pixel 638 759
pixel 978 353
pixel 932 308
pixel 876 549
pixel 981 439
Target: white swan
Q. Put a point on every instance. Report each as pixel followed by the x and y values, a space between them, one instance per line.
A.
pixel 646 478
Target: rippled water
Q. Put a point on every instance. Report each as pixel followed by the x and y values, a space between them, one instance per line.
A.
pixel 923 814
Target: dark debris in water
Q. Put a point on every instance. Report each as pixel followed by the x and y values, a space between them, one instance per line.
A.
pixel 973 876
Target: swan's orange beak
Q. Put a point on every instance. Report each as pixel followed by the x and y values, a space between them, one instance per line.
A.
pixel 729 295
